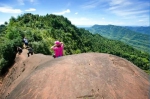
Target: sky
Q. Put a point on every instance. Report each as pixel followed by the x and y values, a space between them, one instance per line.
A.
pixel 82 12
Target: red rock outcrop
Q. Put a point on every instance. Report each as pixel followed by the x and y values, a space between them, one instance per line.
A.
pixel 80 76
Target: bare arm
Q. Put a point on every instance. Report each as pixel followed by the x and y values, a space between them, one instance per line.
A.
pixel 52 46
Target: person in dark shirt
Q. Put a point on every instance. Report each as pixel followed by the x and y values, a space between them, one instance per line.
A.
pixel 30 51
pixel 19 50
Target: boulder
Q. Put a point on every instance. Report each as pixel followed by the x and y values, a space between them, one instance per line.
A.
pixel 80 76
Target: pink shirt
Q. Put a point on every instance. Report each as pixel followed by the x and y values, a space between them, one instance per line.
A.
pixel 58 50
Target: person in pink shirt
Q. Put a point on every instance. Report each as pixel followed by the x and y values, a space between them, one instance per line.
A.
pixel 58 48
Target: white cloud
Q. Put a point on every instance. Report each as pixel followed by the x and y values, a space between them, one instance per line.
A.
pixel 21 2
pixel 129 12
pixel 95 3
pixel 76 13
pixel 31 9
pixel 63 12
pixel 103 18
pixel 9 10
pixel 83 19
pixel 34 1
pixel 141 20
pixel 117 2
pixel 31 0
pixel 90 4
pixel 1 22
pixel 90 22
pixel 126 7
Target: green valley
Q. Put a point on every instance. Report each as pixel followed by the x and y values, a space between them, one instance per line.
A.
pixel 140 41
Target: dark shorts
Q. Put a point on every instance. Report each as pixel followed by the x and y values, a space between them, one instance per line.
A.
pixel 54 56
pixel 26 44
pixel 30 53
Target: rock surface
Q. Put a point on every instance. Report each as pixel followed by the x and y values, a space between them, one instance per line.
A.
pixel 80 76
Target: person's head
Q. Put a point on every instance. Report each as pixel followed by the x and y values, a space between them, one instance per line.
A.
pixel 57 43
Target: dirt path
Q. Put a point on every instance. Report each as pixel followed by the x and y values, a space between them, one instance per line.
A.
pixel 23 56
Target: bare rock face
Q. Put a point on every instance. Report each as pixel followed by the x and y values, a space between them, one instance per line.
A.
pixel 80 76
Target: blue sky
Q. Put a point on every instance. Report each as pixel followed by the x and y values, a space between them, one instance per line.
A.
pixel 82 12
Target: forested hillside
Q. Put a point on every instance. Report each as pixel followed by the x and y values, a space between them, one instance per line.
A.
pixel 42 31
pixel 139 41
pixel 140 29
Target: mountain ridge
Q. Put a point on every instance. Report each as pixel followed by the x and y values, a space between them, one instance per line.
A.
pixel 140 29
pixel 135 39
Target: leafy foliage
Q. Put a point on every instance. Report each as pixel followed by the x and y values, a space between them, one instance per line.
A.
pixel 8 53
pixel 42 31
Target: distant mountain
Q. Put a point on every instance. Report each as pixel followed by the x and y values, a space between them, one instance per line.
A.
pixel 137 40
pixel 141 29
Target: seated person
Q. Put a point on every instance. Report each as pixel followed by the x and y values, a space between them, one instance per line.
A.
pixel 58 48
